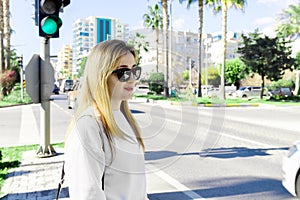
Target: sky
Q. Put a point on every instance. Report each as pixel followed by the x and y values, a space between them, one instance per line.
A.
pixel 257 14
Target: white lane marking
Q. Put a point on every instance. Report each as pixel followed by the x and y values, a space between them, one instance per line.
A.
pixel 245 140
pixel 28 128
pixel 173 182
pixel 65 111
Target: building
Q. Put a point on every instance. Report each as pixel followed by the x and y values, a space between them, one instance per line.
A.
pixel 91 31
pixel 215 46
pixel 64 62
pixel 183 51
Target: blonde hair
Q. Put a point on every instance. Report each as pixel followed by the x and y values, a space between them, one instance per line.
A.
pixel 102 60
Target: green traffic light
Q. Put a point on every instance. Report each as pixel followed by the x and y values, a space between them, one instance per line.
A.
pixel 49 25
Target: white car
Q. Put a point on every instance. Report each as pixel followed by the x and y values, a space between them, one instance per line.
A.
pixel 141 89
pixel 291 170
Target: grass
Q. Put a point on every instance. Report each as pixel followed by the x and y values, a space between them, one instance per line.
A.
pixel 11 157
pixel 14 98
pixel 295 100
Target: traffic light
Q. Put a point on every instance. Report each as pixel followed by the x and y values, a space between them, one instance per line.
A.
pixel 192 63
pixel 49 21
pixel 20 61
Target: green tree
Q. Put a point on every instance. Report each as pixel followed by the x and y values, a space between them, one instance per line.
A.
pixel 200 27
pixel 289 19
pixel 235 71
pixel 139 43
pixel 297 61
pixel 266 56
pixel 186 75
pixel 289 27
pixel 154 20
pixel 297 67
pixel 214 76
pixel 224 5
pixel 82 66
pixel 156 82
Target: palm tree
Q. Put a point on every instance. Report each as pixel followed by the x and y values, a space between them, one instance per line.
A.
pixel 155 21
pixel 224 5
pixel 166 42
pixel 289 22
pixel 7 31
pixel 1 36
pixel 1 47
pixel 200 19
pixel 290 27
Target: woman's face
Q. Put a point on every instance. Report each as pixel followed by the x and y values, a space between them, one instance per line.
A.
pixel 118 90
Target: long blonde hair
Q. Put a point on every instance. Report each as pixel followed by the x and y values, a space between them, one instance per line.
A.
pixel 102 60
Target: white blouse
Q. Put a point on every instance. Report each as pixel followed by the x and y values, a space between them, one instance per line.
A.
pixel 88 157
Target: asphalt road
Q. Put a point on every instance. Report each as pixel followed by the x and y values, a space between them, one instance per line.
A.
pixel 191 152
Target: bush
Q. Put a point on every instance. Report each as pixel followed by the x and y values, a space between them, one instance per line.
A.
pixel 8 79
pixel 15 97
pixel 156 82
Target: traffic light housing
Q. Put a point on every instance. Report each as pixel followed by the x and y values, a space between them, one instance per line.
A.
pixel 192 64
pixel 49 21
pixel 20 61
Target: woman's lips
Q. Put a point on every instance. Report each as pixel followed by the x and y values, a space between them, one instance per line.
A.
pixel 129 89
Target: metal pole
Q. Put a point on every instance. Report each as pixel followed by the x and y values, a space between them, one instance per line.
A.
pixel 190 71
pixel 21 85
pixel 45 149
pixel 206 63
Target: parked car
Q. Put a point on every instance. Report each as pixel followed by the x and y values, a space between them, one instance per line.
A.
pixel 73 95
pixel 55 89
pixel 283 92
pixel 213 92
pixel 250 92
pixel 291 170
pixel 141 89
pixel 66 85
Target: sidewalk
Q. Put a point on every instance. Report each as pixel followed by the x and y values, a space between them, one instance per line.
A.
pixel 35 178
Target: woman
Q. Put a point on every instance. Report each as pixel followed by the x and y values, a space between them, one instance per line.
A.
pixel 104 151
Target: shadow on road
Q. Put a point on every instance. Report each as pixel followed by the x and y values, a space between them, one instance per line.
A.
pixel 221 153
pixel 234 152
pixel 233 188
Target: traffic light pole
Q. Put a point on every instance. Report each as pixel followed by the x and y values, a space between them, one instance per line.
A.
pixel 45 149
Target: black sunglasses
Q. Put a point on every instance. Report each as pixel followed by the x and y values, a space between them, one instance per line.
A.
pixel 124 74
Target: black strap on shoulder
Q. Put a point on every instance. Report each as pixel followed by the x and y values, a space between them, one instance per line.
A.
pixel 62 180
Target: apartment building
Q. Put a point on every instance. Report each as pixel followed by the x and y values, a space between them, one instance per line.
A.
pixel 64 62
pixel 91 31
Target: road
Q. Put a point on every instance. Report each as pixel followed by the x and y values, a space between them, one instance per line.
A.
pixel 191 152
pixel 218 153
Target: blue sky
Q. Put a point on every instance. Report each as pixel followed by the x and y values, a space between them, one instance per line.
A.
pixel 261 14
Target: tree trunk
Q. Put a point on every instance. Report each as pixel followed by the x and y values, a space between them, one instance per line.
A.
pixel 166 42
pixel 7 31
pixel 224 40
pixel 200 19
pixel 157 36
pixel 2 66
pixel 262 86
pixel 1 48
pixel 296 92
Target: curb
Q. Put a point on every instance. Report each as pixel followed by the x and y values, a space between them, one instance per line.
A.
pixel 164 102
pixel 13 105
pixel 230 105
